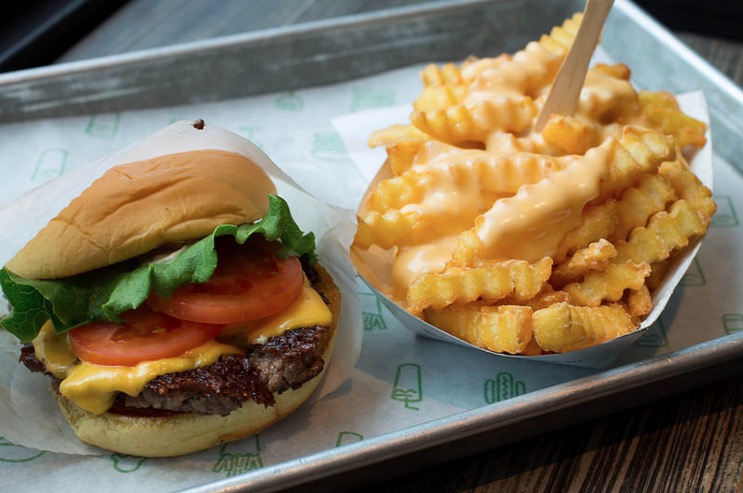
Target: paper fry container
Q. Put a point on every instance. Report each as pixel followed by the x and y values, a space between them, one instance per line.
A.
pixel 374 265
pixel 28 415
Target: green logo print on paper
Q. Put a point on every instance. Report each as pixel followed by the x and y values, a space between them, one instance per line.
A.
pixel 12 453
pixel 373 318
pixel 103 126
pixel 127 463
pixel 239 457
pixel 408 385
pixel 732 322
pixel 347 438
pixel 694 276
pixel 502 387
pixel 289 101
pixel 328 146
pixel 51 163
pixel 655 336
pixel 250 134
pixel 725 216
pixel 364 98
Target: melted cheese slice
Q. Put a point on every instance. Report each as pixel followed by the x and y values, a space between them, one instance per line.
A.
pixel 93 387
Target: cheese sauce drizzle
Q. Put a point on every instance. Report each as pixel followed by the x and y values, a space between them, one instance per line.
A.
pixel 529 224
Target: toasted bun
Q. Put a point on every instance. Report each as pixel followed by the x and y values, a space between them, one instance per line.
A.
pixel 185 433
pixel 124 213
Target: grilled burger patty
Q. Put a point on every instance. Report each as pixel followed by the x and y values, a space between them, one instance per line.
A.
pixel 282 362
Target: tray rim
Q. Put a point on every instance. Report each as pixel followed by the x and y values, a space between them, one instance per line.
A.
pixel 484 419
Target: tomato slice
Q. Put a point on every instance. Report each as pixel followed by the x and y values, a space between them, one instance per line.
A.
pixel 250 282
pixel 146 335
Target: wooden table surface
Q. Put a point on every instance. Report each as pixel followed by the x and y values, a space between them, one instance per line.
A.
pixel 691 441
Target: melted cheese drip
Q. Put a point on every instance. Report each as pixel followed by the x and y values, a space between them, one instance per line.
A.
pixel 93 387
pixel 417 260
pixel 530 224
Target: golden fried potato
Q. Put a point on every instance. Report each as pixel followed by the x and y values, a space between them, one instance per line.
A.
pixel 401 142
pixel 639 302
pixel 570 135
pixel 638 204
pixel 607 285
pixel 502 329
pixel 666 232
pixel 562 327
pixel 595 257
pixel 662 110
pixel 690 188
pixel 517 280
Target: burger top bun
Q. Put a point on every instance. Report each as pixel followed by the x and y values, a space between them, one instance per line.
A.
pixel 136 207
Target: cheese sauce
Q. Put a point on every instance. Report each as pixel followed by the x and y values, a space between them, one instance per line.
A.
pixel 413 261
pixel 523 75
pixel 530 224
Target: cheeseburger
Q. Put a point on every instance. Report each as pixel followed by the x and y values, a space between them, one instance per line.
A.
pixel 175 304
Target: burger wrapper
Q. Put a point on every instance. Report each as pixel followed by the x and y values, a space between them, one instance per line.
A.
pixel 30 416
pixel 374 265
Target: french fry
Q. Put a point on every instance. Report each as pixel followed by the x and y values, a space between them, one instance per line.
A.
pixel 481 172
pixel 616 70
pixel 437 97
pixel 448 74
pixel 561 38
pixel 502 329
pixel 396 134
pixel 639 152
pixel 570 135
pixel 662 110
pixel 492 281
pixel 639 302
pixel 658 273
pixel 666 232
pixel 401 142
pixel 562 327
pixel 598 222
pixel 607 285
pixel 467 124
pixel 638 204
pixel 595 257
pixel 690 188
pixel 402 228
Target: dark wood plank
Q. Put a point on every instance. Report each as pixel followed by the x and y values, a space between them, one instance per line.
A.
pixel 688 442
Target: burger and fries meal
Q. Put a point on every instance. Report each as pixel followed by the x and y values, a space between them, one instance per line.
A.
pixel 533 242
pixel 175 304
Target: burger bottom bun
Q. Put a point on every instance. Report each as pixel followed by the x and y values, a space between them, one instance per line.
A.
pixel 184 433
pixel 181 433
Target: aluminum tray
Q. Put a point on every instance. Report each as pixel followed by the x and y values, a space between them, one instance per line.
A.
pixel 350 47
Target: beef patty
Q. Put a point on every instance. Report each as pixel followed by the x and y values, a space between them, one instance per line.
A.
pixel 283 362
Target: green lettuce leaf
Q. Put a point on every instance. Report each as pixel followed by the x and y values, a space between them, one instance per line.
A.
pixel 105 293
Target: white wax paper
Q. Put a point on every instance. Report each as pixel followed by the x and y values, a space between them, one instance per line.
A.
pixel 400 379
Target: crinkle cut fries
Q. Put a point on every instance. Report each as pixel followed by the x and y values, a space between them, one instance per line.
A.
pixel 474 257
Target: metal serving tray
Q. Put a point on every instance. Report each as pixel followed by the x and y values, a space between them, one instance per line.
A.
pixel 346 48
